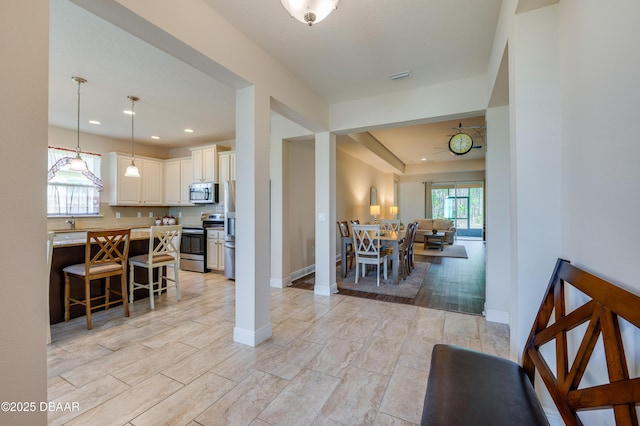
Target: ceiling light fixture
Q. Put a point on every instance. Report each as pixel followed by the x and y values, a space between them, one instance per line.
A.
pixel 400 75
pixel 132 170
pixel 78 164
pixel 188 130
pixel 155 137
pixel 94 122
pixel 310 11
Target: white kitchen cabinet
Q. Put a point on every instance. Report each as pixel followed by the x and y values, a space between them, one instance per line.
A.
pixel 226 166
pixel 226 170
pixel 215 250
pixel 178 174
pixel 205 161
pixel 146 190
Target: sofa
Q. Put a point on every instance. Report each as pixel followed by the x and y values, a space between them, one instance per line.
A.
pixel 442 225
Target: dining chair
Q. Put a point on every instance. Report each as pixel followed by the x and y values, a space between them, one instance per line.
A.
pixel 106 254
pixel 50 238
pixel 343 228
pixel 392 225
pixel 164 250
pixel 411 236
pixel 366 241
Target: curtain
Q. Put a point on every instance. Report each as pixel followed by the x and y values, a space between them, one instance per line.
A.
pixel 72 193
pixel 428 207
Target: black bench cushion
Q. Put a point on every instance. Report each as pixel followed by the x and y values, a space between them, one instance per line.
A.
pixel 466 387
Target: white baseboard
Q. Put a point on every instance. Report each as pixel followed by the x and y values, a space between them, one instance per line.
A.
pixel 308 270
pixel 252 338
pixel 325 290
pixel 501 317
pixel 280 282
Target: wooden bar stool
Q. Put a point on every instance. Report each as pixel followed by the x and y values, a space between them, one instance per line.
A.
pixel 109 261
pixel 164 250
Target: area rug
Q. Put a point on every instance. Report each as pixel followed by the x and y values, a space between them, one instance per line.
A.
pixel 448 251
pixel 407 288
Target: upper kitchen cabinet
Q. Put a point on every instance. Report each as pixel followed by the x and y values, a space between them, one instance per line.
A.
pixel 205 161
pixel 178 174
pixel 147 190
pixel 226 166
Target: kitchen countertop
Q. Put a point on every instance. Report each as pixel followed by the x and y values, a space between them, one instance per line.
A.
pixel 78 237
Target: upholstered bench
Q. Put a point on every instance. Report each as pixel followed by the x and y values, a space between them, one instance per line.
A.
pixel 466 387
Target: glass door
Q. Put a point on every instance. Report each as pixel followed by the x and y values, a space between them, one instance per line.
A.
pixel 462 202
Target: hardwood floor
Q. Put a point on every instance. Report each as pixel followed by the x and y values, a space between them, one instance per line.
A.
pixel 454 284
pixel 451 284
pixel 330 360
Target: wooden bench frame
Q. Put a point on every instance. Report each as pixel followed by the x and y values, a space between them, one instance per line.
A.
pixel 608 303
pixel 472 383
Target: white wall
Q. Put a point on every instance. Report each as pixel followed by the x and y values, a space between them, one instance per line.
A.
pixel 24 31
pixel 535 153
pixel 600 172
pixel 498 242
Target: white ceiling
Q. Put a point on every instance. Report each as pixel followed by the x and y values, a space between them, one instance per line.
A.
pixel 347 56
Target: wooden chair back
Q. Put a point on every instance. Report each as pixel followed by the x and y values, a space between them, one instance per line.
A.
pixel 366 240
pixel 390 225
pixel 602 305
pixel 343 227
pixel 113 247
pixel 165 241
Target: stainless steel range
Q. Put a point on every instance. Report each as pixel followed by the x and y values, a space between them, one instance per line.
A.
pixel 193 247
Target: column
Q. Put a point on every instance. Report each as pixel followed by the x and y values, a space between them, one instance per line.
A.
pixel 253 324
pixel 325 214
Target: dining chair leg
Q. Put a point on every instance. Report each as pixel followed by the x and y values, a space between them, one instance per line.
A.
pixel 123 290
pixel 67 294
pixel 87 301
pixel 176 280
pixel 107 292
pixel 151 285
pixel 131 274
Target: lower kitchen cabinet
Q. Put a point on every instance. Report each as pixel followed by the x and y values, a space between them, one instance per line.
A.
pixel 215 250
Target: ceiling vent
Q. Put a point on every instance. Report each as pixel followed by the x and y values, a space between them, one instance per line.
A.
pixel 400 75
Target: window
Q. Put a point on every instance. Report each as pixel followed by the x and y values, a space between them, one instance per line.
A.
pixel 463 202
pixel 73 193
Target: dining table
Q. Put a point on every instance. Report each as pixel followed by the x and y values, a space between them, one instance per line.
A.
pixel 387 238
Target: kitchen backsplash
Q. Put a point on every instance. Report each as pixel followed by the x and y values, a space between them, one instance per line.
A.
pixel 128 217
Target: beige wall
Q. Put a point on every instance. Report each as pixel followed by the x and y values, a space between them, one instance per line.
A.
pixel 354 179
pixel 24 31
pixel 301 161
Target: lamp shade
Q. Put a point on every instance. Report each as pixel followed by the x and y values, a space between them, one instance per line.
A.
pixel 310 11
pixel 132 170
pixel 393 209
pixel 374 210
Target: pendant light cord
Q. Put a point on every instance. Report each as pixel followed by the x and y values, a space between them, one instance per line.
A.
pixel 133 113
pixel 78 132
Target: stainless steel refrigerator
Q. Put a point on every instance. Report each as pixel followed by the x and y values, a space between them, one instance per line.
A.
pixel 230 229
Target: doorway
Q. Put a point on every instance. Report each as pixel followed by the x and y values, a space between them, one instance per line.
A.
pixel 462 202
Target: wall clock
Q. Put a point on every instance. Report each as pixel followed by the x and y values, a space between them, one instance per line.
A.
pixel 460 143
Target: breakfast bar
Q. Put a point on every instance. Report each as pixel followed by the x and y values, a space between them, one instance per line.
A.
pixel 69 249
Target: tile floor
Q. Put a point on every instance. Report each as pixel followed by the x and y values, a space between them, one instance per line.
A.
pixel 335 360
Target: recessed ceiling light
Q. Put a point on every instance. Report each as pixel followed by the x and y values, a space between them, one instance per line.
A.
pixel 155 137
pixel 129 112
pixel 400 75
pixel 188 130
pixel 94 122
pixel 423 159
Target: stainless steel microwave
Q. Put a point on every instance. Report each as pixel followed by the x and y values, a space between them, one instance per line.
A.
pixel 203 193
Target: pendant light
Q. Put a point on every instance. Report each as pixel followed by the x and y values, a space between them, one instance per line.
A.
pixel 132 170
pixel 78 164
pixel 310 11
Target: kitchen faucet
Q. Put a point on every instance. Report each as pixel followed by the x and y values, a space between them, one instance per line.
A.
pixel 71 221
